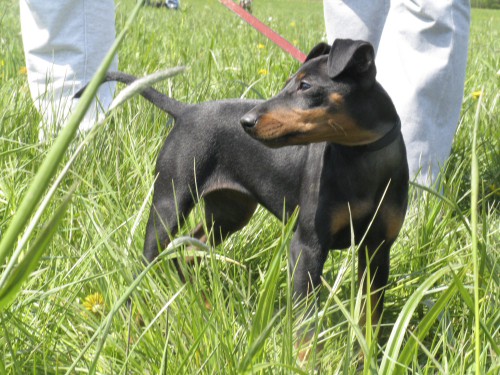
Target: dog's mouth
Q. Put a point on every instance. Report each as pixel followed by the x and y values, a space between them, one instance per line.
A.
pixel 273 134
pixel 289 139
pixel 279 142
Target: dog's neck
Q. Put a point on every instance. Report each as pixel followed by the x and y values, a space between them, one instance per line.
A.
pixel 380 143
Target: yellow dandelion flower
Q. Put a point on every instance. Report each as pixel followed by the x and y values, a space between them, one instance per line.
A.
pixel 261 46
pixel 263 72
pixel 94 303
pixel 293 24
pixel 477 94
pixel 23 70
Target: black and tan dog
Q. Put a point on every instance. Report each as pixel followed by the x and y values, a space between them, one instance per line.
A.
pixel 329 143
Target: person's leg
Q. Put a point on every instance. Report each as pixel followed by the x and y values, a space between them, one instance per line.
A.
pixel 355 19
pixel 64 42
pixel 421 63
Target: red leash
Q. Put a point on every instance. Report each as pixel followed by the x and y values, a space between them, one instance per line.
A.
pixel 277 39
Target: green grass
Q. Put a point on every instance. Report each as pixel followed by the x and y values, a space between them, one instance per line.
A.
pixel 443 302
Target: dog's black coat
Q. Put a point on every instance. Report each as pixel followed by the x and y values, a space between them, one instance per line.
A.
pixel 329 143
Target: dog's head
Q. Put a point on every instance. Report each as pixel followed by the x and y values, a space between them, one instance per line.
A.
pixel 333 97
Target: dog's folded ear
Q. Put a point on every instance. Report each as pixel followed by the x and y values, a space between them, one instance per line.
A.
pixel 354 58
pixel 318 50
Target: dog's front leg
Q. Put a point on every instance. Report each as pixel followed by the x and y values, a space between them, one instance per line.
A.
pixel 373 279
pixel 306 264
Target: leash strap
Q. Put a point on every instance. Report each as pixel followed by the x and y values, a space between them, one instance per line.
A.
pixel 265 30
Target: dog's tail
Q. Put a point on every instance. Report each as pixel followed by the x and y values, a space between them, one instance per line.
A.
pixel 165 103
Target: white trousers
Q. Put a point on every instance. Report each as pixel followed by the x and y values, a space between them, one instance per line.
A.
pixel 64 42
pixel 421 59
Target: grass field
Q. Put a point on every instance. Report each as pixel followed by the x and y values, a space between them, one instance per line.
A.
pixel 443 303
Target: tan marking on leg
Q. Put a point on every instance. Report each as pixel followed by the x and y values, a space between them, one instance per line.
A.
pixel 342 215
pixel 393 219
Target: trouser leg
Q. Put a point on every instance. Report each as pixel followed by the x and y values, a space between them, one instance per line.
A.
pixel 355 19
pixel 421 63
pixel 64 43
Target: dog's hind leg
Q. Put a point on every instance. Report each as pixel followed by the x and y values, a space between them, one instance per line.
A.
pixel 226 211
pixel 168 211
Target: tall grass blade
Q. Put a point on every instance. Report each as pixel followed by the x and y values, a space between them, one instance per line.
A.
pixel 426 324
pixel 446 200
pixel 398 332
pixel 263 319
pixel 253 353
pixel 21 272
pixel 475 246
pixel 469 301
pixel 193 348
pixel 353 325
pixel 36 218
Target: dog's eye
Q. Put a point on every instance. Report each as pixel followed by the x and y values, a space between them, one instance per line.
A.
pixel 304 86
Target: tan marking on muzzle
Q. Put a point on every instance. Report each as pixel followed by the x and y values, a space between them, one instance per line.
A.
pixel 310 126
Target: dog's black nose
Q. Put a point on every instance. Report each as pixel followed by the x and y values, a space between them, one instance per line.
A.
pixel 248 120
